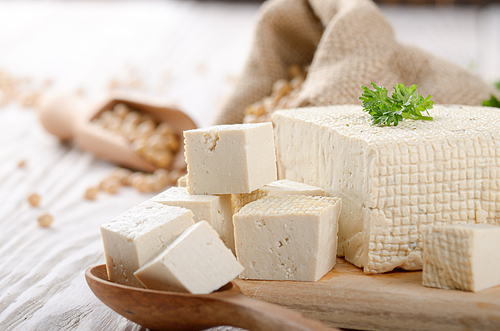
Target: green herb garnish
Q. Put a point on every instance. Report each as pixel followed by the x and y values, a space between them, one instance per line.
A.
pixel 405 102
pixel 493 102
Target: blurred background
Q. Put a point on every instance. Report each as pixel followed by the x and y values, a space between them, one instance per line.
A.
pixel 189 53
pixel 183 53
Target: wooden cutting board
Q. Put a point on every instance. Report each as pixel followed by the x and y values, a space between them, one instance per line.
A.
pixel 347 298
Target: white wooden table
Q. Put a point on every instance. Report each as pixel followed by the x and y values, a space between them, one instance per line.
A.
pixel 186 53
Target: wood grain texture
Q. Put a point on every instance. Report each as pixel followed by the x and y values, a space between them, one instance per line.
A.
pixel 184 53
pixel 347 298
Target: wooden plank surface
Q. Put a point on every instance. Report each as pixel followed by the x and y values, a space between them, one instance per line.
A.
pixel 347 298
pixel 187 53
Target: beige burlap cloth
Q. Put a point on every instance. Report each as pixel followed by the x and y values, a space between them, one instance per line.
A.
pixel 348 44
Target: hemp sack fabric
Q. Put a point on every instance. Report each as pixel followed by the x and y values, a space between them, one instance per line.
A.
pixel 348 43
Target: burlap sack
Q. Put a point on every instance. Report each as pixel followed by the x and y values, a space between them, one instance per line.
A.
pixel 348 43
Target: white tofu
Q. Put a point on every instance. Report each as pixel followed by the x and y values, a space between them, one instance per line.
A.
pixel 134 237
pixel 393 181
pixel 182 181
pixel 197 262
pixel 278 187
pixel 214 209
pixel 289 237
pixel 464 257
pixel 227 159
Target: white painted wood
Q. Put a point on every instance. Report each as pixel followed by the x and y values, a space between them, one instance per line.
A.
pixel 186 53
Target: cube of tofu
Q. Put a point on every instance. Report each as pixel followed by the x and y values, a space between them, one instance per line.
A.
pixel 287 237
pixel 227 159
pixel 197 262
pixel 464 257
pixel 215 209
pixel 278 187
pixel 394 181
pixel 182 181
pixel 134 237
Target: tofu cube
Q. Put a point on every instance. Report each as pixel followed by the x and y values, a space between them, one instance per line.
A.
pixel 197 262
pixel 214 209
pixel 182 181
pixel 227 159
pixel 287 237
pixel 278 187
pixel 134 237
pixel 463 257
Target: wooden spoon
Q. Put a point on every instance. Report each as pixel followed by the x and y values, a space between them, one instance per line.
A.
pixel 70 117
pixel 161 310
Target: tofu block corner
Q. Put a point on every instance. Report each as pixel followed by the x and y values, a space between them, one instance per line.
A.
pixel 197 261
pixel 226 159
pixel 463 257
pixel 292 237
pixel 215 209
pixel 133 238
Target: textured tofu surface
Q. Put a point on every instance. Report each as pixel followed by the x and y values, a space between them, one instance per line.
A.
pixel 227 159
pixel 216 210
pixel 289 237
pixel 135 236
pixel 395 181
pixel 464 257
pixel 278 187
pixel 197 261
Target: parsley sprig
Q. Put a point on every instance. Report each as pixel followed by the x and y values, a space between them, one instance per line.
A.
pixel 493 102
pixel 405 102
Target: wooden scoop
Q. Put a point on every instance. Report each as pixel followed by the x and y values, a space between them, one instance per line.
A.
pixel 70 117
pixel 161 310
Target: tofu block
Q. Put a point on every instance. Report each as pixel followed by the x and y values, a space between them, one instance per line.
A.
pixel 182 181
pixel 227 159
pixel 394 181
pixel 214 209
pixel 197 262
pixel 134 237
pixel 289 237
pixel 278 187
pixel 463 257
